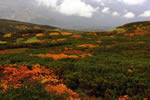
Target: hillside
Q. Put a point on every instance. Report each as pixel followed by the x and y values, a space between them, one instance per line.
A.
pixel 7 26
pixel 132 29
pixel 142 23
pixel 45 64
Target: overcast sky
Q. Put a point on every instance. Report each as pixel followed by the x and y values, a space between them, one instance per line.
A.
pixel 94 13
pixel 128 9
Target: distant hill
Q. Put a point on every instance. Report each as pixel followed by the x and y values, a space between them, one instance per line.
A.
pixel 143 23
pixel 7 26
pixel 132 29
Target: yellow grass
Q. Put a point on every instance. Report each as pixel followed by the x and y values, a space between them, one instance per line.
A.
pixel 2 42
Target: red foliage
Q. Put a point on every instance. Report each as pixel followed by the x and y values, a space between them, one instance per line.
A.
pixel 126 97
pixel 5 51
pixel 141 32
pixel 76 36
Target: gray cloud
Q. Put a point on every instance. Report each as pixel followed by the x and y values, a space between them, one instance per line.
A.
pixel 76 14
pixel 70 7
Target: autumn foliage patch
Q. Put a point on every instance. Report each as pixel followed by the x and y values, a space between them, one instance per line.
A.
pixel 66 53
pixel 16 77
pixel 57 56
pixel 88 45
pixel 76 36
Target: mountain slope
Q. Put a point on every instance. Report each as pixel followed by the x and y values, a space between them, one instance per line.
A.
pixel 132 29
pixel 141 23
pixel 7 26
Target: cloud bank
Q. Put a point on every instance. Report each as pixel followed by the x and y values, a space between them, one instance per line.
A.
pixel 129 15
pixel 70 7
pixel 133 2
pixel 106 10
pixel 84 8
pixel 145 14
pixel 115 13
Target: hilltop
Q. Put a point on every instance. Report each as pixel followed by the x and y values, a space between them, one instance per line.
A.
pixel 142 23
pixel 52 63
pixel 132 29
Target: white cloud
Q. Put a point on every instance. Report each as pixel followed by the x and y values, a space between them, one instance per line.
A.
pixel 145 14
pixel 48 3
pixel 100 2
pixel 129 15
pixel 115 13
pixel 106 10
pixel 125 10
pixel 70 7
pixel 77 7
pixel 133 2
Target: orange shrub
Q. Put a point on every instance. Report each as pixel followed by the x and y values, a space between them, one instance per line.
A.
pixel 43 41
pixel 25 35
pixel 55 33
pixel 126 97
pixel 66 33
pixel 5 51
pixel 92 33
pixel 79 53
pixel 76 36
pixel 16 77
pixel 62 39
pixel 99 41
pixel 39 35
pixel 57 56
pixel 130 34
pixel 88 45
pixel 7 35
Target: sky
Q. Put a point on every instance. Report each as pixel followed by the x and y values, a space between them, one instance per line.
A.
pixel 92 14
pixel 87 8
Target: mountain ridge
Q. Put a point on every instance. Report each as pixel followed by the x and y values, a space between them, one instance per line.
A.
pixel 7 25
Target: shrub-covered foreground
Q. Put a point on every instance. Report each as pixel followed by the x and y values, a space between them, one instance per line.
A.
pixel 95 65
